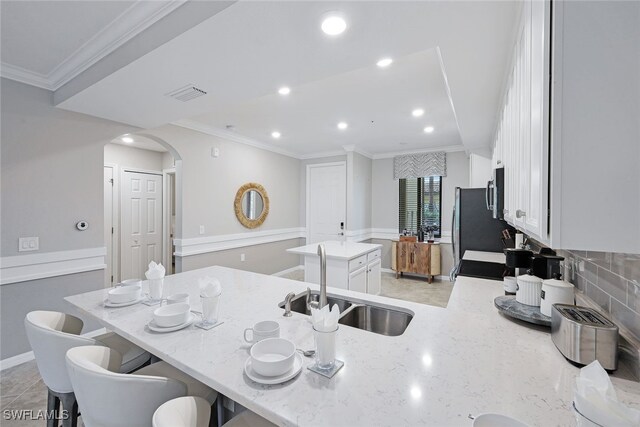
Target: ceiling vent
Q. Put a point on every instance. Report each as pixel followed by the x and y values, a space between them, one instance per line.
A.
pixel 186 93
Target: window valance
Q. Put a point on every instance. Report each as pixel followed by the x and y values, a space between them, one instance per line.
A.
pixel 420 165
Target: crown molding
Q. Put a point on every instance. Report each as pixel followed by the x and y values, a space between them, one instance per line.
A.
pixel 232 136
pixel 134 20
pixel 22 75
pixel 322 154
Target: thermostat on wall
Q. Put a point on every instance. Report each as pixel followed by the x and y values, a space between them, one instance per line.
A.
pixel 82 225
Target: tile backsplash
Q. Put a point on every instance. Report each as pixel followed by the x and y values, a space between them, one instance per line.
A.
pixel 612 281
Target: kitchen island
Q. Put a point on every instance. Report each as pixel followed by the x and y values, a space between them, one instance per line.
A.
pixel 350 265
pixel 449 363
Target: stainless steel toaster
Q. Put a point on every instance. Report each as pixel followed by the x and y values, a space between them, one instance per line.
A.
pixel 583 335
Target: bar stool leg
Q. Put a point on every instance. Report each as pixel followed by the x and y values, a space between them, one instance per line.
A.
pixel 53 403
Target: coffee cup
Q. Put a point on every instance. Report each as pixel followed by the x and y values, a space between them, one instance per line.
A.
pixel 262 330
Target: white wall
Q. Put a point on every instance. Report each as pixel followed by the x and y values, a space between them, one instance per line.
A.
pixel 132 157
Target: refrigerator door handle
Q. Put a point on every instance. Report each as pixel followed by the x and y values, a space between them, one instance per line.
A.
pixel 487 195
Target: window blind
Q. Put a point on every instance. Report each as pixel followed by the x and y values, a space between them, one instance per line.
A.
pixel 420 203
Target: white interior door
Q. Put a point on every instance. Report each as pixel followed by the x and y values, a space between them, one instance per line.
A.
pixel 141 223
pixel 326 201
pixel 108 224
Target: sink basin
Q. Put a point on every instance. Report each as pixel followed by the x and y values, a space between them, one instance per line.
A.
pixel 359 314
pixel 299 303
pixel 381 320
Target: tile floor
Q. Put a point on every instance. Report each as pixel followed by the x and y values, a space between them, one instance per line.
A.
pixel 22 389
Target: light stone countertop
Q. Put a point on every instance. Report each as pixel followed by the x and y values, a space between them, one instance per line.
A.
pixel 337 250
pixel 449 363
pixel 497 257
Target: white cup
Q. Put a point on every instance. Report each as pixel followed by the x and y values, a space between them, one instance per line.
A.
pixel 325 348
pixel 178 298
pixel 262 330
pixel 210 306
pixel 155 288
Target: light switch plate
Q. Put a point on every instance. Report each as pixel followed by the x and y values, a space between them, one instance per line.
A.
pixel 26 244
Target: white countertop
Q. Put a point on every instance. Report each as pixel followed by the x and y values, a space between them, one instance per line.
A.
pixel 497 257
pixel 337 250
pixel 449 363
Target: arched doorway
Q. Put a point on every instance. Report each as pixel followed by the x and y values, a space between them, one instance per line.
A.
pixel 142 205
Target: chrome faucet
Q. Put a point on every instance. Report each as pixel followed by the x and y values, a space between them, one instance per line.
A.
pixel 287 304
pixel 323 276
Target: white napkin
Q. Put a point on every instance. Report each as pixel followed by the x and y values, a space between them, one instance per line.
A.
pixel 596 399
pixel 209 287
pixel 324 320
pixel 155 271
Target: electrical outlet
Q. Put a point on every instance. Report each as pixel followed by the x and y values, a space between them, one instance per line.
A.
pixel 581 266
pixel 242 258
pixel 202 229
pixel 28 244
pixel 215 152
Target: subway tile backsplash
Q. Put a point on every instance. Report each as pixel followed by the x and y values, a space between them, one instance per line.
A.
pixel 612 281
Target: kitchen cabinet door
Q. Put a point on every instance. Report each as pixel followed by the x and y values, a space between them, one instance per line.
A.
pixel 358 280
pixel 373 277
pixel 422 259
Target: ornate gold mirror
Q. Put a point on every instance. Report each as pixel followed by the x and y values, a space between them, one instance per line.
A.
pixel 251 205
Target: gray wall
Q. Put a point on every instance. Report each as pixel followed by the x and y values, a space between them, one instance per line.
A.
pixel 359 179
pixel 209 184
pixel 51 173
pixel 18 299
pixel 385 190
pixel 44 152
pixel 132 157
pixel 267 258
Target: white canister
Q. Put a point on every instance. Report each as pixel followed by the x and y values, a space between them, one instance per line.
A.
pixel 529 288
pixel 555 291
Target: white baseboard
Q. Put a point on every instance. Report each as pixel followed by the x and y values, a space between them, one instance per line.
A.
pixel 19 359
pixel 289 270
pixel 22 268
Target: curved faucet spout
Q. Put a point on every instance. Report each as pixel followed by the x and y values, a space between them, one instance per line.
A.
pixel 323 276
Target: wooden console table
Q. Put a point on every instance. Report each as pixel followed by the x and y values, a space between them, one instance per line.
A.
pixel 410 256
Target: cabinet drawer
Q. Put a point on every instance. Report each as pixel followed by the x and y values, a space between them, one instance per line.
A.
pixel 374 255
pixel 356 263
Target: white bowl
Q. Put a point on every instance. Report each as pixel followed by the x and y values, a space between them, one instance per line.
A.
pixel 273 356
pixel 130 282
pixel 124 294
pixel 171 315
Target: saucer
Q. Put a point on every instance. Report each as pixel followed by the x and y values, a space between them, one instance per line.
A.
pixel 155 328
pixel 260 379
pixel 109 304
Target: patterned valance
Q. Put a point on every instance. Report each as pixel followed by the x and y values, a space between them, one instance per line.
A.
pixel 419 165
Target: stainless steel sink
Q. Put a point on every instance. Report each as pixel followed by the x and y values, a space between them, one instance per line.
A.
pixel 360 314
pixel 376 319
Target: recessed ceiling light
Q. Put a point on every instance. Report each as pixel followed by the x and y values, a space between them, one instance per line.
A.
pixel 333 25
pixel 384 62
pixel 417 112
pixel 428 129
pixel 275 134
pixel 343 125
pixel 127 139
pixel 284 90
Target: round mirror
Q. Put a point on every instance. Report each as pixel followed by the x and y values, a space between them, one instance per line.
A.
pixel 251 205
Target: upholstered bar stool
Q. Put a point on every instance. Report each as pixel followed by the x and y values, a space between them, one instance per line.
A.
pixel 193 411
pixel 108 398
pixel 50 335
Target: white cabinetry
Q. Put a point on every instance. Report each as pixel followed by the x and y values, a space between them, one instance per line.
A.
pixel 358 280
pixel 373 277
pixel 570 143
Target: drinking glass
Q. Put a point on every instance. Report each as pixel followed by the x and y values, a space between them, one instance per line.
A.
pixel 325 348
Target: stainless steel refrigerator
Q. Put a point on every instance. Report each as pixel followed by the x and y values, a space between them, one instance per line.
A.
pixel 474 228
